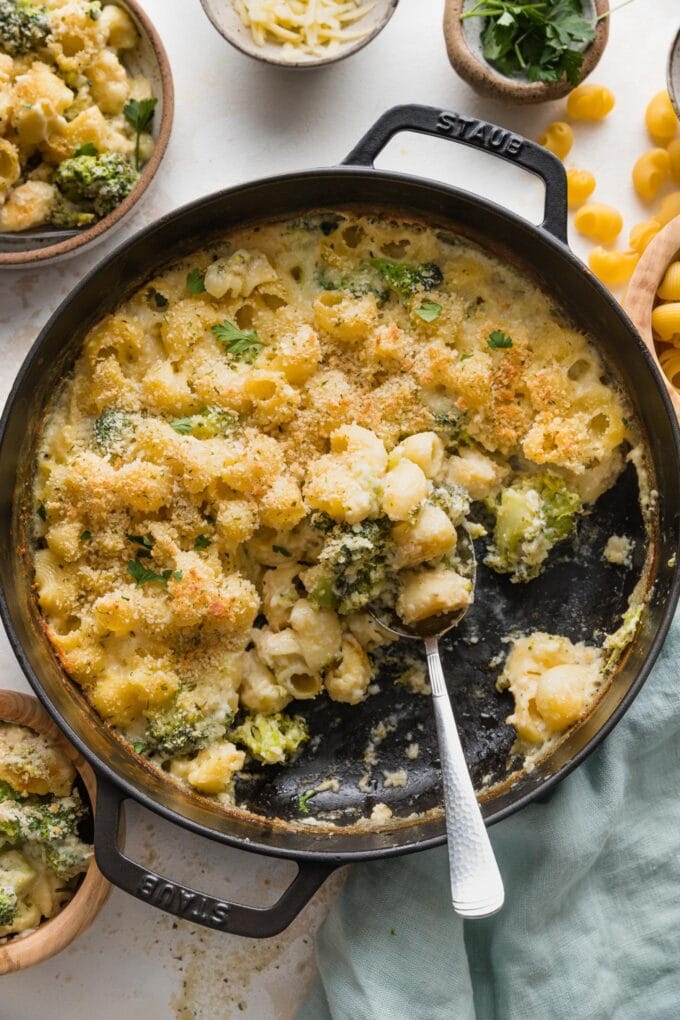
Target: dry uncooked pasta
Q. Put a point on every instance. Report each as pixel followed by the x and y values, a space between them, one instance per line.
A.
pixel 313 27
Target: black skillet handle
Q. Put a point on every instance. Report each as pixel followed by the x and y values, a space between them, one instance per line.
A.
pixel 253 922
pixel 428 120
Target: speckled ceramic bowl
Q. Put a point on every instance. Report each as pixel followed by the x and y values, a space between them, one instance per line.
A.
pixel 150 60
pixel 227 21
pixel 463 43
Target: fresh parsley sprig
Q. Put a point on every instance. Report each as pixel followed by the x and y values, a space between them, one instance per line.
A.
pixel 497 340
pixel 142 575
pixel 139 113
pixel 241 345
pixel 541 40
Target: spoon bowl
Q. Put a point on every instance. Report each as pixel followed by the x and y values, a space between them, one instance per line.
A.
pixel 476 883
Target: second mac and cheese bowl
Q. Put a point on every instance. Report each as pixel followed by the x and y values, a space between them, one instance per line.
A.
pixel 369 272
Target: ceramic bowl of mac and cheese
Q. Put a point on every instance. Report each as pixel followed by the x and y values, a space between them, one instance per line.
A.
pixel 86 105
pixel 50 887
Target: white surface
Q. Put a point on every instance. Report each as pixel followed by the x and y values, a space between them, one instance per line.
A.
pixel 237 119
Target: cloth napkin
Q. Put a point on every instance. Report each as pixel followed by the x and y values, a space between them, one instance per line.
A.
pixel 591 922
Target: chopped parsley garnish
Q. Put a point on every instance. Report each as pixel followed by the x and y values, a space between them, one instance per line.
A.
pixel 202 542
pixel 627 423
pixel 196 281
pixel 182 425
pixel 539 41
pixel 498 340
pixel 280 550
pixel 142 575
pixel 241 345
pixel 146 543
pixel 464 357
pixel 154 296
pixel 86 536
pixel 303 800
pixel 429 311
pixel 87 149
pixel 42 512
pixel 139 113
pixel 139 746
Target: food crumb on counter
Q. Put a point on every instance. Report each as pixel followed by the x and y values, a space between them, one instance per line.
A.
pixel 412 751
pixel 618 550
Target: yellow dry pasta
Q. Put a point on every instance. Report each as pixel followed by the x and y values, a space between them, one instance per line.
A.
pixel 650 173
pixel 558 138
pixel 669 288
pixel 599 222
pixel 666 322
pixel 613 267
pixel 661 119
pixel 674 156
pixel 580 186
pixel 312 27
pixel 669 208
pixel 590 102
pixel 642 234
pixel 670 363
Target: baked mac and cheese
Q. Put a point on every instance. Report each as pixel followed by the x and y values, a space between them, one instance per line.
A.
pixel 269 436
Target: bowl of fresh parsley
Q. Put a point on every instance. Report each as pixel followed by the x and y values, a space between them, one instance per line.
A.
pixel 525 51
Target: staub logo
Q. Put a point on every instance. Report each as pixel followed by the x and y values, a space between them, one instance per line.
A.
pixel 487 136
pixel 177 900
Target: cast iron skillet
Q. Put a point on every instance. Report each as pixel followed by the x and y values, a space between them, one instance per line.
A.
pixel 578 595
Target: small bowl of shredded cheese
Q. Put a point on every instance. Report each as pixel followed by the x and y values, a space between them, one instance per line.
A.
pixel 299 33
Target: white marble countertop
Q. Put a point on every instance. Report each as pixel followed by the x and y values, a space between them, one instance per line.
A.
pixel 235 120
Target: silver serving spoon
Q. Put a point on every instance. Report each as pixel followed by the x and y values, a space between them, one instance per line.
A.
pixel 28 239
pixel 476 883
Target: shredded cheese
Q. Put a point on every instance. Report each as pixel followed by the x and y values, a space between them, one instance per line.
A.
pixel 313 27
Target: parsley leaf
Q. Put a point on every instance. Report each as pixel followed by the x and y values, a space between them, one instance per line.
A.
pixel 280 550
pixel 145 541
pixel 139 113
pixel 239 344
pixel 464 357
pixel 182 425
pixel 202 542
pixel 142 575
pixel 139 747
pixel 429 311
pixel 498 340
pixel 42 512
pixel 86 536
pixel 196 281
pixel 155 296
pixel 87 149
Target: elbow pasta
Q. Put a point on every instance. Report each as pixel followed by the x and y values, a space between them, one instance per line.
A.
pixel 590 102
pixel 230 478
pixel 580 186
pixel 661 119
pixel 666 322
pixel 63 100
pixel 599 222
pixel 651 172
pixel 558 138
pixel 669 288
pixel 642 234
pixel 669 208
pixel 613 267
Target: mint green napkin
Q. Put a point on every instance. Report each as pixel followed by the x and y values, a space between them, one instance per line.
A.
pixel 591 923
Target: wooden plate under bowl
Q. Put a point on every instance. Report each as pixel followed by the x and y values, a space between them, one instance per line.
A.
pixel 644 283
pixel 465 54
pixel 147 59
pixel 52 936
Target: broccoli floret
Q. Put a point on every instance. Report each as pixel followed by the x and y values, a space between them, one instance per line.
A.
pixel 68 216
pixel 452 427
pixel 111 428
pixel 362 280
pixel 8 792
pixel 271 738
pixel 98 183
pixel 352 566
pixel 68 857
pixel 211 422
pixel 405 278
pixel 23 26
pixel 181 729
pixel 8 905
pixel 532 515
